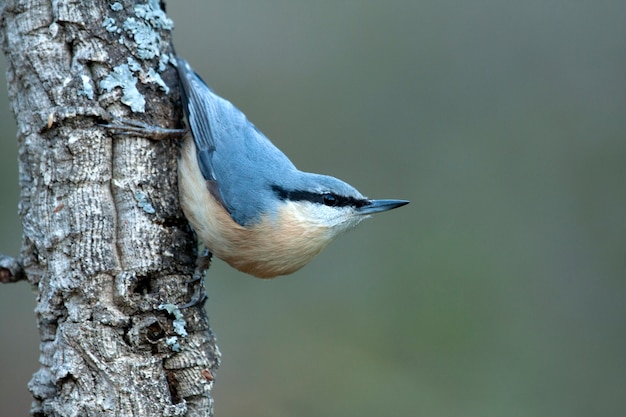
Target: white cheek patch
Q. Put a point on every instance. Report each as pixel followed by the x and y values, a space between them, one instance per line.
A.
pixel 335 219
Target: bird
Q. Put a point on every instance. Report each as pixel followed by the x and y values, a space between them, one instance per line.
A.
pixel 246 201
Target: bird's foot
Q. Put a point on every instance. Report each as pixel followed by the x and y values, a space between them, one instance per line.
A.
pixel 202 265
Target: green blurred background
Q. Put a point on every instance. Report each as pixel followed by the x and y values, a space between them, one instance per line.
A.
pixel 501 289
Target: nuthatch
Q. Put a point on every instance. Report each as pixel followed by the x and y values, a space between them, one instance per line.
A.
pixel 246 200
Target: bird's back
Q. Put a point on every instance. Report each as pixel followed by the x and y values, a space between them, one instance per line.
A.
pixel 232 151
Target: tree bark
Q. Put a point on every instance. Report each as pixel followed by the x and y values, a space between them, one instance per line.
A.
pixel 105 242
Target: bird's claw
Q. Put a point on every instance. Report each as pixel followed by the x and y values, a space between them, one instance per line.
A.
pixel 123 126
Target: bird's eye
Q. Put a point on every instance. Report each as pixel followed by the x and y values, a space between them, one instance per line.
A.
pixel 330 200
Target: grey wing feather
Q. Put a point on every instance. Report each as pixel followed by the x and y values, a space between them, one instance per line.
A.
pixel 232 152
pixel 196 102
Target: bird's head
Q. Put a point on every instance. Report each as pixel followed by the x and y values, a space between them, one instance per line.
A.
pixel 328 203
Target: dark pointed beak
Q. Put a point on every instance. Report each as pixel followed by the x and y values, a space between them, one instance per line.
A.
pixel 378 206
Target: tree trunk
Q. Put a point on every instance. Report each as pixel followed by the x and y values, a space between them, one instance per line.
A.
pixel 105 242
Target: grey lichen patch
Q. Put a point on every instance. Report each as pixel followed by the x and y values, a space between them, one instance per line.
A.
pixel 148 41
pixel 154 77
pixel 110 25
pixel 144 29
pixel 133 65
pixel 179 327
pixel 143 32
pixel 143 202
pixel 153 14
pixel 179 322
pixel 122 76
pixel 173 343
pixel 87 89
pixel 165 59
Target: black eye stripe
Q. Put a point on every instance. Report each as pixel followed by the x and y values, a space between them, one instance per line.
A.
pixel 328 199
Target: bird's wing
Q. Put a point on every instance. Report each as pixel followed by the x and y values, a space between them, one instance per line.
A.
pixel 197 104
pixel 238 162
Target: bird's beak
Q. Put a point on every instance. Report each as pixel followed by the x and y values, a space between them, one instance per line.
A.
pixel 377 206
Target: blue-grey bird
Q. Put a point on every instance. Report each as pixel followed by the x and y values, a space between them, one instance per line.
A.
pixel 246 200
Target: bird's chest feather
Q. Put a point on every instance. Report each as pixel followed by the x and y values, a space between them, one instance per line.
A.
pixel 277 245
